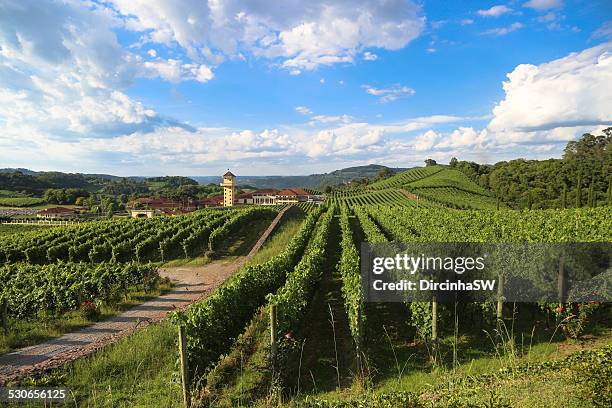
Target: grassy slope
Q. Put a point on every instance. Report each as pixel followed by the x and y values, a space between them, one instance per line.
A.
pixel 139 370
pixel 403 366
pixel 406 177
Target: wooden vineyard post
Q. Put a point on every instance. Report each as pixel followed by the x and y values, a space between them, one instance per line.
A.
pixel 434 327
pixel 184 367
pixel 500 298
pixel 273 340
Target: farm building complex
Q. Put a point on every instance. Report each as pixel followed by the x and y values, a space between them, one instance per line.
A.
pixel 148 206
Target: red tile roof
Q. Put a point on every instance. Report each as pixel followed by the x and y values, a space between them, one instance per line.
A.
pixel 265 191
pixel 229 174
pixel 292 192
pixel 56 210
pixel 214 200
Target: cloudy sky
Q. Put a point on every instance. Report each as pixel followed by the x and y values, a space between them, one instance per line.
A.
pixel 193 87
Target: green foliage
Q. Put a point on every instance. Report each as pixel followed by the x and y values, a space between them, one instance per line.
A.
pixel 64 195
pixel 589 158
pixel 349 267
pixel 20 201
pixel 117 240
pixel 404 399
pixel 61 287
pixel 593 373
pixel 371 197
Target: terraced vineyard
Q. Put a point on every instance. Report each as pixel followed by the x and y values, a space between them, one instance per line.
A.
pixel 140 240
pixel 431 185
pixel 373 197
pixel 407 177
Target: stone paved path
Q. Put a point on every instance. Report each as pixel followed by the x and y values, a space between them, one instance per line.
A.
pixel 190 284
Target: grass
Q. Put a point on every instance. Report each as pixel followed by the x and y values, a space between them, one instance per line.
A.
pixel 137 371
pixel 20 201
pixel 9 229
pixel 278 241
pixel 242 377
pixel 23 333
pixel 398 364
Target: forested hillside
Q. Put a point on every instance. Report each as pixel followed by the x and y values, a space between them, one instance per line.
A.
pixel 584 173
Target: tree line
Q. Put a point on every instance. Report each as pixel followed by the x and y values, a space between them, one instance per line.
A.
pixel 582 177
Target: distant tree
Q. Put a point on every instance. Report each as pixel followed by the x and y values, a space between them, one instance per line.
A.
pixel 384 173
pixel 453 162
pixel 79 201
pixel 430 162
pixel 610 191
pixel 591 198
pixel 328 189
pixel 529 200
pixel 89 202
pixel 564 197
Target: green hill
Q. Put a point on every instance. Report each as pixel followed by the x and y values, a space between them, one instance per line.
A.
pixel 443 185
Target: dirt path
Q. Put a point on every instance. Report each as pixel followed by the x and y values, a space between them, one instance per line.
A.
pixel 190 284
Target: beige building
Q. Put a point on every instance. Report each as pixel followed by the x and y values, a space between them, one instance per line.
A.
pixel 144 213
pixel 229 189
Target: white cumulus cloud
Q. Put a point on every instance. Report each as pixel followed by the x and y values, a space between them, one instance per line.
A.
pixel 494 11
pixel 543 4
pixel 300 35
pixel 303 110
pixel 575 90
pixel 368 56
pixel 391 93
pixel 504 30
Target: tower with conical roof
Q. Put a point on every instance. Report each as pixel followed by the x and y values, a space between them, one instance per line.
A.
pixel 229 189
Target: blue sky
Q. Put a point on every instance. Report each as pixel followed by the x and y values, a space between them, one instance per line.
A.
pixel 190 87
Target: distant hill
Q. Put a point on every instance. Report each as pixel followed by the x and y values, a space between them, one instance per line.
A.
pixel 35 182
pixel 317 181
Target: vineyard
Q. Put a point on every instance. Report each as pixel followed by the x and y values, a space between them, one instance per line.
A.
pixel 431 186
pixel 49 272
pixel 141 240
pixel 279 297
pixel 387 196
pixel 293 328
